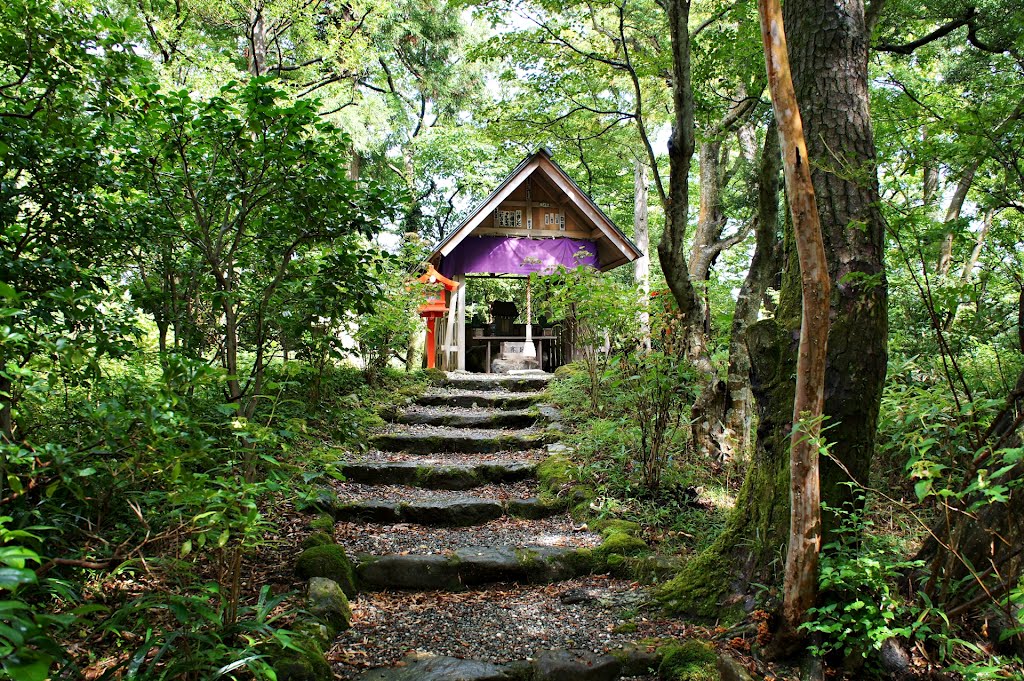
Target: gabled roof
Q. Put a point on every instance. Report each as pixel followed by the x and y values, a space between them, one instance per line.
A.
pixel 615 248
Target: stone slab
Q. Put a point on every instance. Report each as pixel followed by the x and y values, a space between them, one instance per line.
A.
pixel 469 419
pixel 444 440
pixel 479 399
pixel 468 566
pixel 434 476
pixel 441 668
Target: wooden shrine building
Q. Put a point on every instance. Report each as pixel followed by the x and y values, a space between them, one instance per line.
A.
pixel 536 220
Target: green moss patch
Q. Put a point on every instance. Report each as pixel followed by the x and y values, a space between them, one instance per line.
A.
pixel 317 539
pixel 555 473
pixel 328 561
pixel 699 588
pixel 621 544
pixel 323 523
pixel 306 665
pixel 689 661
pixel 610 526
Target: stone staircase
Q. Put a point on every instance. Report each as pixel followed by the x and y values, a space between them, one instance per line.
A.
pixel 446 501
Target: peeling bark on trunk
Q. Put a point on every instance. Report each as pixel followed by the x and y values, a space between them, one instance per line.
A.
pixel 641 237
pixel 800 586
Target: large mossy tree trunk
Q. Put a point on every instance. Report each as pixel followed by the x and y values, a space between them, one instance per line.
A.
pixel 828 53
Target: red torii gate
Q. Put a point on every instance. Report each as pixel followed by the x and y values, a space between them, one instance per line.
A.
pixel 434 308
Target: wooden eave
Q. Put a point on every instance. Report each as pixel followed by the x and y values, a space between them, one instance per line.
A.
pixel 614 247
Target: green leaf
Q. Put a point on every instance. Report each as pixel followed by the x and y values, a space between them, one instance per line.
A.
pixel 24 668
pixel 11 577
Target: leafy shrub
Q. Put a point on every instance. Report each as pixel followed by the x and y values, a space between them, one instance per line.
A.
pixel 856 579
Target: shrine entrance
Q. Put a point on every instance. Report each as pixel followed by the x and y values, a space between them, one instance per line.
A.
pixel 535 221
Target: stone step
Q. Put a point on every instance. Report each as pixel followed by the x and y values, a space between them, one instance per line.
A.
pixel 462 417
pixel 468 567
pixel 438 476
pixel 508 382
pixel 457 512
pixel 430 440
pixel 478 398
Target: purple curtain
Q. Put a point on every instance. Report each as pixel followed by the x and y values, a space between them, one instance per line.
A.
pixel 512 255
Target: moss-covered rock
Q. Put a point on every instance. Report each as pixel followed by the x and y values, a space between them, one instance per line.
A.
pixel 582 562
pixel 308 665
pixel 307 661
pixel 316 539
pixel 328 561
pixel 621 544
pixel 610 526
pixel 435 376
pixel 327 603
pixel 322 523
pixel 555 472
pixel 321 499
pixel 689 661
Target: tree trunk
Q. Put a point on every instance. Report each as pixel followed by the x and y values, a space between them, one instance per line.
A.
pixel 641 237
pixel 764 266
pixel 672 247
pixel 979 244
pixel 711 213
pixel 800 586
pixel 256 56
pixel 828 56
pixel 956 204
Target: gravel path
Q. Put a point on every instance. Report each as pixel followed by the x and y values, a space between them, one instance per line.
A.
pixel 420 539
pixel 499 624
pixel 352 491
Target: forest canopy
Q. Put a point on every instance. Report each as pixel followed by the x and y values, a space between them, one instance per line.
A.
pixel 212 214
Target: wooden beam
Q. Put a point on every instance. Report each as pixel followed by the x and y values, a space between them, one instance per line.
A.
pixel 538 233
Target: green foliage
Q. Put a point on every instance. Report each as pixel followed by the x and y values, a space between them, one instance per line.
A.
pixel 861 607
pixel 200 636
pixel 386 332
pixel 600 311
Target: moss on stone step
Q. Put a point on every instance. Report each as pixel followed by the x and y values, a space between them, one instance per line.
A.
pixel 328 561
pixel 555 472
pixel 621 544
